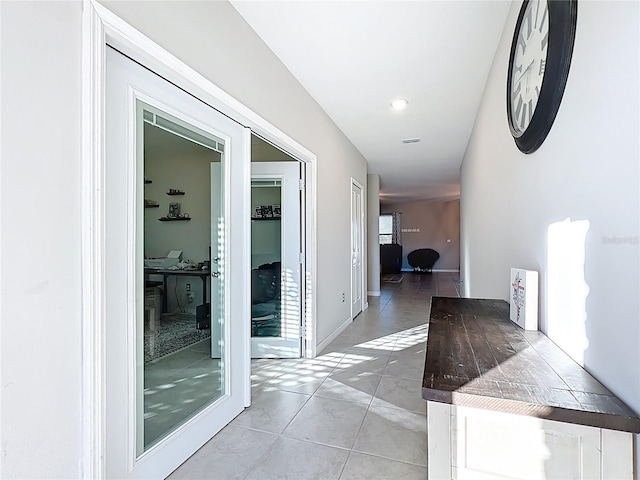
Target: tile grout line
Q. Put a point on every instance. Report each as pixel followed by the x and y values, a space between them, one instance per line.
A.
pixel 367 328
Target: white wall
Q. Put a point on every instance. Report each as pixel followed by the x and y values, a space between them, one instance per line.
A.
pixel 214 39
pixel 40 279
pixel 439 225
pixel 373 225
pixel 40 284
pixel 571 209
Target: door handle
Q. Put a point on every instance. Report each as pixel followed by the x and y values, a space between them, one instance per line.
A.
pixel 215 274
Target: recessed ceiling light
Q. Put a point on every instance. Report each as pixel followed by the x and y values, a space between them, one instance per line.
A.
pixel 399 103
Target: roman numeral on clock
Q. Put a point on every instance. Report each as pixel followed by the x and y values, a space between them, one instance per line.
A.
pixel 543 65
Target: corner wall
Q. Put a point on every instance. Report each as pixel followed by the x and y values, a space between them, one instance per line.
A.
pixel 571 209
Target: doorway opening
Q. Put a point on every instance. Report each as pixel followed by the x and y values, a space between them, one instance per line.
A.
pixel 357 248
pixel 277 253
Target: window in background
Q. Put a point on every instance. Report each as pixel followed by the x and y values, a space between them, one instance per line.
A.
pixel 385 229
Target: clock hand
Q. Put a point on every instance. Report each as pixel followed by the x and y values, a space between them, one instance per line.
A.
pixel 526 71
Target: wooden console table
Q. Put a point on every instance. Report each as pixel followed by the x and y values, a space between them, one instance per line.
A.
pixel 505 402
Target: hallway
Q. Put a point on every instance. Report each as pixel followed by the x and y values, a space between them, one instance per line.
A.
pixel 353 412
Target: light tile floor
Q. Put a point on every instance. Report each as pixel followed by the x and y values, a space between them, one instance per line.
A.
pixel 353 412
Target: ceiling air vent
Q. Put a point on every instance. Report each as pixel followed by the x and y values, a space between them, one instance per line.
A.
pixel 410 140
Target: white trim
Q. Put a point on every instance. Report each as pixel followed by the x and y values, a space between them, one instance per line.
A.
pixel 311 347
pixel 246 293
pixel 93 242
pixel 101 26
pixel 323 344
pixel 149 54
pixel 1 382
pixel 373 294
pixel 366 306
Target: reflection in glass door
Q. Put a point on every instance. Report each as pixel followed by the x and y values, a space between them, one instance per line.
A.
pixel 181 208
pixel 266 258
pixel 276 313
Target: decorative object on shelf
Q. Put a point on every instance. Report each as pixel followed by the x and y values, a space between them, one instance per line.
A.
pixel 150 204
pixel 539 62
pixel 174 210
pixel 173 191
pixel 174 214
pixel 267 211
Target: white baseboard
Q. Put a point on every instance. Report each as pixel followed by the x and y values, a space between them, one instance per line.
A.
pixel 324 343
pixel 366 306
pixel 374 293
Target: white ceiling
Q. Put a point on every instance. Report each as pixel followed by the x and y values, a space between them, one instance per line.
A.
pixel 354 57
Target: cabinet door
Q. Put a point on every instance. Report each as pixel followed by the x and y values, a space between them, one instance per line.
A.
pixel 488 444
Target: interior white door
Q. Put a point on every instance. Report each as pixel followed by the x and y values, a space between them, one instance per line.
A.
pixel 136 96
pixel 357 221
pixel 281 337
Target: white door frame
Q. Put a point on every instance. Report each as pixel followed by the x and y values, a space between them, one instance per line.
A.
pixel 363 235
pixel 102 27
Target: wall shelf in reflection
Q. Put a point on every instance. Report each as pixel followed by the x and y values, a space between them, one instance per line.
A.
pixel 176 219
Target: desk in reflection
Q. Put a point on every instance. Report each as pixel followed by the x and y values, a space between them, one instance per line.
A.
pixel 203 274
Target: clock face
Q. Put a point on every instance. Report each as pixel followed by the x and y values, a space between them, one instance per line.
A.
pixel 529 63
pixel 538 70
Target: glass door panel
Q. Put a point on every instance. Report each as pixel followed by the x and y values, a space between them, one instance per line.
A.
pixel 276 313
pixel 182 372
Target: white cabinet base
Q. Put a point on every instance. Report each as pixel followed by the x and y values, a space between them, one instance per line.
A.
pixel 471 443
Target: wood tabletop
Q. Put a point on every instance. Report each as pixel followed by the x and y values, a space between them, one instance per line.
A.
pixel 477 357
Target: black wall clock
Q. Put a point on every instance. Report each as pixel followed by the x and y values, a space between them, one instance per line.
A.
pixel 538 68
